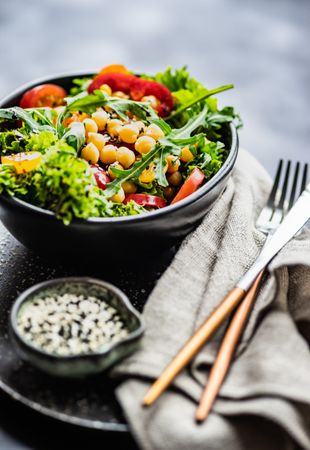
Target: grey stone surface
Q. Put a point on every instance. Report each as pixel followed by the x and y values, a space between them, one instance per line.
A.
pixel 259 45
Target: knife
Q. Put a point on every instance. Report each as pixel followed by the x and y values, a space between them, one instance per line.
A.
pixel 291 224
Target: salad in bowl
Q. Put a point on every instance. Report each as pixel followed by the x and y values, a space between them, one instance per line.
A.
pixel 113 144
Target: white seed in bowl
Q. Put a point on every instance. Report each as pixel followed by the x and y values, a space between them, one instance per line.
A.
pixel 70 324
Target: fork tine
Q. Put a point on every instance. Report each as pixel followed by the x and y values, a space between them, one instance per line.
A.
pixel 273 193
pixel 285 184
pixel 294 185
pixel 304 178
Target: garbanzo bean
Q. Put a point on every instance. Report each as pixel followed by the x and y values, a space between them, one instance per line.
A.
pixel 114 126
pixel 129 133
pixel 90 153
pixel 97 139
pixel 129 187
pixel 175 179
pixel 119 197
pixel 90 126
pixel 186 155
pixel 120 94
pixel 173 163
pixel 106 88
pixel 151 99
pixel 114 166
pixel 144 144
pixel 100 117
pixel 154 131
pixel 108 154
pixel 140 125
pixel 125 157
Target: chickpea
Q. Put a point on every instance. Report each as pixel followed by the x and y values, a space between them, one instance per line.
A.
pixel 114 166
pixel 148 175
pixel 175 178
pixel 90 126
pixel 129 133
pixel 169 193
pixel 108 154
pixel 97 139
pixel 151 99
pixel 129 187
pixel 144 144
pixel 173 163
pixel 125 156
pixel 186 155
pixel 106 88
pixel 100 117
pixel 119 197
pixel 90 153
pixel 140 125
pixel 120 94
pixel 154 131
pixel 114 126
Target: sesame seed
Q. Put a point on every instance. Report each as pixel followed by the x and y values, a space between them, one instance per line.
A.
pixel 70 324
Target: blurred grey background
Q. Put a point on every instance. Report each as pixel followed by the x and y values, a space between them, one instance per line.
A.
pixel 262 46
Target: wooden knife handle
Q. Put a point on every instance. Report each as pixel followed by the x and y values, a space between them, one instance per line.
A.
pixel 194 344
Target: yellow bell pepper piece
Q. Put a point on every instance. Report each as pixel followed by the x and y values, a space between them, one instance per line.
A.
pixel 23 162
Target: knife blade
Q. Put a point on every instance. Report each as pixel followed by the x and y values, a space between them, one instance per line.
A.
pixel 291 224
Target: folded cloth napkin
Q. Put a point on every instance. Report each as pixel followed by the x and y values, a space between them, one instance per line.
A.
pixel 264 402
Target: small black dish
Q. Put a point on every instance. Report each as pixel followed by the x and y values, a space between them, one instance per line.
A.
pixel 130 236
pixel 81 365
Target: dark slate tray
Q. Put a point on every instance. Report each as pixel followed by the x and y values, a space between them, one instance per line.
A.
pixel 90 402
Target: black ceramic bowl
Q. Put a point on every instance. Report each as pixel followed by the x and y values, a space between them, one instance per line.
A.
pixel 39 229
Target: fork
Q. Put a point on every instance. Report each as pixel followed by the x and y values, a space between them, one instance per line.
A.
pixel 268 221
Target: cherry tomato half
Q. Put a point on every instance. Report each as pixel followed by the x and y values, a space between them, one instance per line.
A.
pixel 50 95
pixel 153 201
pixel 191 184
pixel 101 177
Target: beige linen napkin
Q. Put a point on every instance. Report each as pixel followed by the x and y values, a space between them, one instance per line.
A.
pixel 264 402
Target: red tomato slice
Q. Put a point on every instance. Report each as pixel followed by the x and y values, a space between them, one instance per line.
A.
pixel 50 95
pixel 101 177
pixel 153 201
pixel 190 185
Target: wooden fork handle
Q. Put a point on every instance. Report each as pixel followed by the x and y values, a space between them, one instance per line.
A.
pixel 226 352
pixel 194 344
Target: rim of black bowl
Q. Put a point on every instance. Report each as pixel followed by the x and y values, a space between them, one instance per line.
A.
pixel 23 297
pixel 204 189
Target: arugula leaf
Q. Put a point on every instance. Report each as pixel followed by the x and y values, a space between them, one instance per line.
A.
pixel 199 98
pixel 161 165
pixel 15 113
pixel 44 116
pixel 90 102
pixel 75 135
